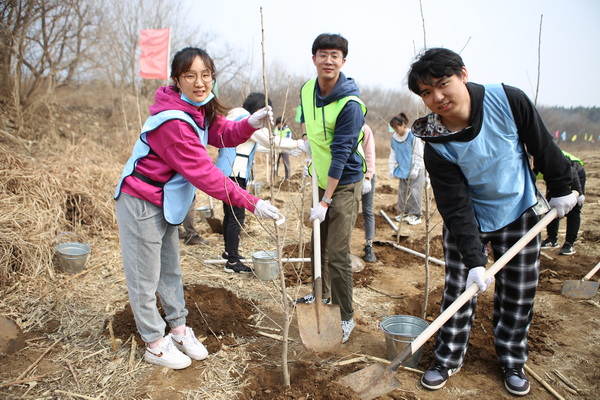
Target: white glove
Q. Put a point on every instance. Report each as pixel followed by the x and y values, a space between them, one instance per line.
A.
pixel 476 275
pixel 391 174
pixel 366 187
pixel 563 204
pixel 318 213
pixel 413 174
pixel 306 147
pixel 264 209
pixel 305 170
pixel 580 200
pixel 261 117
pixel 296 152
pixel 428 182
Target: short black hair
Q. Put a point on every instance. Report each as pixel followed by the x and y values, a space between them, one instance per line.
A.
pixel 436 62
pixel 326 41
pixel 254 102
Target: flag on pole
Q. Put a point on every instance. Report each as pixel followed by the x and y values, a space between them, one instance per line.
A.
pixel 563 136
pixel 556 134
pixel 154 60
pixel 574 138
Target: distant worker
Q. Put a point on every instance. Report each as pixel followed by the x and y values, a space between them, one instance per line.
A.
pixel 406 164
pixel 283 131
pixel 574 216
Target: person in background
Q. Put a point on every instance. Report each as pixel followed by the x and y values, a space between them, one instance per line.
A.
pixel 477 142
pixel 236 163
pixel 333 115
pixel 156 189
pixel 187 231
pixel 574 216
pixel 368 191
pixel 283 131
pixel 406 164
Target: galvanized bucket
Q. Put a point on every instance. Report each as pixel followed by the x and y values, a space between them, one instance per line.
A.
pixel 266 266
pixel 72 255
pixel 399 331
pixel 255 188
pixel 205 212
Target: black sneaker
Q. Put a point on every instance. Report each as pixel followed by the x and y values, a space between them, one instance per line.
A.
pixel 436 376
pixel 237 268
pixel 309 299
pixel 515 381
pixel 567 249
pixel 225 256
pixel 369 255
pixel 549 243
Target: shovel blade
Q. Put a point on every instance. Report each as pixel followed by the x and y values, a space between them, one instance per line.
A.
pixel 216 225
pixel 371 382
pixel 580 289
pixel 320 330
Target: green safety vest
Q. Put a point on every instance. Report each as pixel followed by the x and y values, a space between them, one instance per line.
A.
pixel 572 157
pixel 320 128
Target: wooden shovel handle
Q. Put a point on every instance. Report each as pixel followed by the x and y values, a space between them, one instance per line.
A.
pixel 592 272
pixel 471 291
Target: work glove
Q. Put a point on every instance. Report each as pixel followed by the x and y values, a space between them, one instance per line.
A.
pixel 306 148
pixel 476 275
pixel 318 213
pixel 391 174
pixel 366 187
pixel 563 204
pixel 414 173
pixel 295 152
pixel 261 118
pixel 264 209
pixel 580 200
pixel 305 171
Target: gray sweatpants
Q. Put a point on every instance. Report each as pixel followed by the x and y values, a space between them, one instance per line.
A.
pixel 150 250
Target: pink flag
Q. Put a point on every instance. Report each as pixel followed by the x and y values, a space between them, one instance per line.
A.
pixel 556 134
pixel 154 60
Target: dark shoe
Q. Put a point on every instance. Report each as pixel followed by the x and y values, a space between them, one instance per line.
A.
pixel 238 268
pixel 549 243
pixel 195 239
pixel 369 255
pixel 225 256
pixel 515 381
pixel 309 299
pixel 567 249
pixel 436 376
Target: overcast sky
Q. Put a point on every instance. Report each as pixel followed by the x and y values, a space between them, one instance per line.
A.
pixel 498 40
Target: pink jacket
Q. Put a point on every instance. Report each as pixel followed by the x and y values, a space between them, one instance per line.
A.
pixel 369 148
pixel 178 149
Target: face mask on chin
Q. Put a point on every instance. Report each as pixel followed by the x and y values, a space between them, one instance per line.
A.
pixel 211 95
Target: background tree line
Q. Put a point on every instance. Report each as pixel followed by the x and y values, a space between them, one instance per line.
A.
pixel 84 53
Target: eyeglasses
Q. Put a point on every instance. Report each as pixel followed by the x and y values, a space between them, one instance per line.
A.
pixel 335 56
pixel 192 76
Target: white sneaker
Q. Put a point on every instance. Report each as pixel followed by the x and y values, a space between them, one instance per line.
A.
pixel 414 220
pixel 167 355
pixel 347 327
pixel 190 345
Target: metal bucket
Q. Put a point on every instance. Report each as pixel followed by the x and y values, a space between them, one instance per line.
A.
pixel 266 266
pixel 205 212
pixel 72 255
pixel 255 188
pixel 399 331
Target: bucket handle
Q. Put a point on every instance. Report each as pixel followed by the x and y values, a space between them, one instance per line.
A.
pixel 57 240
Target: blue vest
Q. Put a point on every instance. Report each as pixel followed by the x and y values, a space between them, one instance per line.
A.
pixel 227 157
pixel 404 156
pixel 178 192
pixel 499 180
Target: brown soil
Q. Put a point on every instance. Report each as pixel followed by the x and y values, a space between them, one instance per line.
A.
pixel 238 317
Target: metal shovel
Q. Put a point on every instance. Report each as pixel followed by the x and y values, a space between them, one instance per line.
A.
pixel 378 380
pixel 582 289
pixel 320 325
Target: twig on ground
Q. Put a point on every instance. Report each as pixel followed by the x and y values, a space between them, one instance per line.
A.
pixel 36 362
pixel 544 383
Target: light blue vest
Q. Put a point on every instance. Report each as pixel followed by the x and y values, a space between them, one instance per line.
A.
pixel 499 180
pixel 178 192
pixel 404 156
pixel 227 156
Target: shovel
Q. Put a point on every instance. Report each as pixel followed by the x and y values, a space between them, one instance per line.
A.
pixel 216 225
pixel 582 289
pixel 378 380
pixel 320 325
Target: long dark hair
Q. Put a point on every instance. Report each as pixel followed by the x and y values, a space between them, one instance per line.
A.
pixel 182 62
